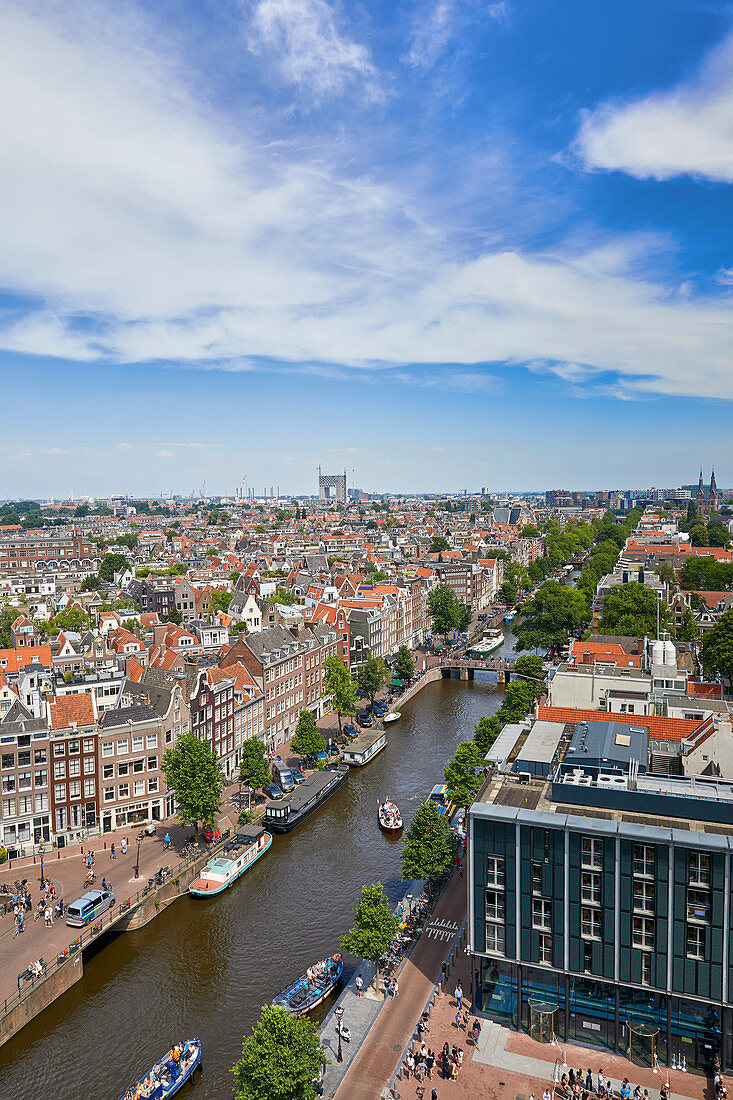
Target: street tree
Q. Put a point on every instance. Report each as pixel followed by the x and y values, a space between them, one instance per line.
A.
pixel 72 618
pixel 553 612
pixel 530 667
pixel 438 544
pixel 486 732
pixel 254 770
pixel 427 847
pixel 632 609
pixel 404 666
pixel 687 631
pixel 374 928
pixel 219 600
pixel 445 609
pixel 371 676
pixel 281 1059
pixel 717 649
pixel 341 686
pixel 464 774
pixel 193 771
pixel 699 535
pixel 308 739
pixel 111 564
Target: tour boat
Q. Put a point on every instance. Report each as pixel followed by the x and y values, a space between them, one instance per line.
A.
pixel 311 988
pixel 390 818
pixel 391 717
pixel 238 856
pixel 169 1075
pixel 490 641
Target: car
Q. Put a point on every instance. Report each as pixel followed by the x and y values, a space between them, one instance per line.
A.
pixel 210 834
pixel 297 775
pixel 89 906
pixel 380 708
pixel 273 791
pixel 350 730
pixel 364 720
pixel 332 748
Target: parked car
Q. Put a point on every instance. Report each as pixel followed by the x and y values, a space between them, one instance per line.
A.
pixel 273 791
pixel 332 748
pixel 89 906
pixel 350 730
pixel 297 775
pixel 364 720
pixel 210 834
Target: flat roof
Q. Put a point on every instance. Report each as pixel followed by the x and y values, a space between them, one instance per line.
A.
pixel 542 742
pixel 501 749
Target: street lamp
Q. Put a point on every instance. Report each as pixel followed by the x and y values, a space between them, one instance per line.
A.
pixel 137 862
pixel 339 1012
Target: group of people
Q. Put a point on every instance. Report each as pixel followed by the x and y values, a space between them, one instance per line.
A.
pixel 323 970
pixel 150 1085
pixel 580 1086
pixel 721 1092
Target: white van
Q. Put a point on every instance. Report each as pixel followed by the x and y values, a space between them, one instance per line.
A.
pixel 89 907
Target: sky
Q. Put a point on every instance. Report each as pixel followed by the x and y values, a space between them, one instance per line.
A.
pixel 441 244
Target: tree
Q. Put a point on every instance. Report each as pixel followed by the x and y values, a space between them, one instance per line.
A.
pixel 281 1059
pixel 174 615
pixel 130 541
pixel 699 535
pixel 717 649
pixel 687 631
pixel 404 666
pixel 438 544
pixel 531 666
pixel 308 739
pixel 111 564
pixel 339 684
pixel 219 601
pixel 529 531
pixel 72 619
pixel 632 609
pixel 374 928
pixel 461 773
pixel 553 612
pixel 193 771
pixel 518 699
pixel 371 676
pixel 427 847
pixel 508 593
pixel 8 615
pixel 486 732
pixel 254 770
pixel 445 609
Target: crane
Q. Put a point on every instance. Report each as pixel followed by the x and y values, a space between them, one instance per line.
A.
pixel 240 493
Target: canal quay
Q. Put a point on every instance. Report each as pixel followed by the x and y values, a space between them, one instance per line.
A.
pixel 206 967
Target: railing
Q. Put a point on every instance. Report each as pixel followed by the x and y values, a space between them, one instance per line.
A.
pixel 86 936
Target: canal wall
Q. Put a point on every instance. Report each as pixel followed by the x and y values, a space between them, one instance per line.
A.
pixel 41 996
pixel 162 897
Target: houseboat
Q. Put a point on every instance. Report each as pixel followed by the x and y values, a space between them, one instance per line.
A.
pixel 285 814
pixel 312 987
pixel 490 641
pixel 237 857
pixel 364 748
pixel 168 1076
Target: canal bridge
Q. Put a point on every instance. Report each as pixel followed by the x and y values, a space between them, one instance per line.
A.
pixel 464 668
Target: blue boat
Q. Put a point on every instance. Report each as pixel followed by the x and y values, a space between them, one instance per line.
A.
pixel 312 987
pixel 168 1076
pixel 236 858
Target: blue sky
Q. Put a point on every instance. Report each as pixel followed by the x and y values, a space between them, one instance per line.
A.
pixel 441 243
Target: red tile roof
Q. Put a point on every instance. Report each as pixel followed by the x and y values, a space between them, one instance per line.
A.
pixel 660 729
pixel 66 709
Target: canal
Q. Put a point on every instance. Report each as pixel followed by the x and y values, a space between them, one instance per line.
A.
pixel 205 968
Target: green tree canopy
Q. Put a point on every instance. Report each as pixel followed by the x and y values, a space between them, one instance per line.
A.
pixel 404 666
pixel 374 927
pixel 193 771
pixel 254 769
pixel 111 564
pixel 529 531
pixel 129 540
pixel 427 847
pixel 461 773
pixel 438 543
pixel 486 732
pixel 699 535
pixel 341 686
pixel 717 649
pixel 308 739
pixel 687 631
pixel 707 575
pixel 280 1060
pixel 8 615
pixel 632 609
pixel 219 600
pixel 371 676
pixel 550 616
pixel 70 619
pixel 532 667
pixel 445 609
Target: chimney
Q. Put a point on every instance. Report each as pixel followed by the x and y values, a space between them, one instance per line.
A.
pixel 587 660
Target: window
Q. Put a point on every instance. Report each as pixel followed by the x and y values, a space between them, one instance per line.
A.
pixel 8 760
pixel 41 803
pixel 108 748
pixel 74 767
pixel 644 860
pixel 75 789
pixel 546 948
pixel 495 937
pixel 24 804
pixel 137 743
pixel 89 788
pixel 138 765
pixel 495 905
pixel 41 778
pixel 121 747
pixel 152 785
pixel 24 781
pixel 152 763
pixel 590 887
pixel 494 871
pixel 109 794
pixel 108 771
pixel 587 956
pixel 643 933
pixel 590 924
pixel 644 897
pixel 536 878
pixel 151 741
pixel 40 756
pixel 541 914
pixel 59 792
pixel 8 807
pixel 698 905
pixel 591 852
pixel 88 744
pixel 700 868
pixel 124 790
pixel 88 765
pixel 646 969
pixel 59 769
pixel 24 759
pixel 73 746
pixel 123 769
pixel 695 941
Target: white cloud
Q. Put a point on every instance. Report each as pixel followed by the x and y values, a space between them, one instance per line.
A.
pixel 311 52
pixel 685 131
pixel 165 454
pixel 148 230
pixel 435 24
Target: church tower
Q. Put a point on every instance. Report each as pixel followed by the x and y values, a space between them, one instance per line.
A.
pixel 700 496
pixel 713 496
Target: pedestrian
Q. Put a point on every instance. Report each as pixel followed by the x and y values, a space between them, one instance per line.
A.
pixel 429 1063
pixel 546 1095
pixel 410 1063
pixel 124 846
pixel 420 1071
pixel 459 994
pixel 434 1095
pixel 48 914
pixel 600 1081
pixel 476 1031
pixel 395 991
pixel 112 852
pixel 359 983
pixel 588 1081
pixel 457 1019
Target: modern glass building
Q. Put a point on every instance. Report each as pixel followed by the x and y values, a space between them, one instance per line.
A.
pixel 600 902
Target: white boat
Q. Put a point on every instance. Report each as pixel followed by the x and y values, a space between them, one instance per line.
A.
pixel 393 716
pixel 237 857
pixel 491 640
pixel 390 818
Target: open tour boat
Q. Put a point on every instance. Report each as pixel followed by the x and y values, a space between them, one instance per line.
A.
pixel 390 818
pixel 312 987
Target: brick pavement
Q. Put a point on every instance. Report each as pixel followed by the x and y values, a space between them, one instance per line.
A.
pixel 379 1055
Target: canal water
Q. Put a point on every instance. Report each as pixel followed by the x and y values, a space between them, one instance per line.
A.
pixel 206 967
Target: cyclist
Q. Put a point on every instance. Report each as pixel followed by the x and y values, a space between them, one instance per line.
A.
pixel 167 840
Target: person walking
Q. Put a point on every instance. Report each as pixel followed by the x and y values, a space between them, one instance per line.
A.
pixel 359 983
pixel 395 990
pixel 599 1089
pixel 588 1081
pixel 112 852
pixel 459 994
pixel 124 846
pixel 48 914
pixel 429 1063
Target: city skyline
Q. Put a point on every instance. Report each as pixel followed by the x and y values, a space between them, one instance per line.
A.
pixel 448 235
